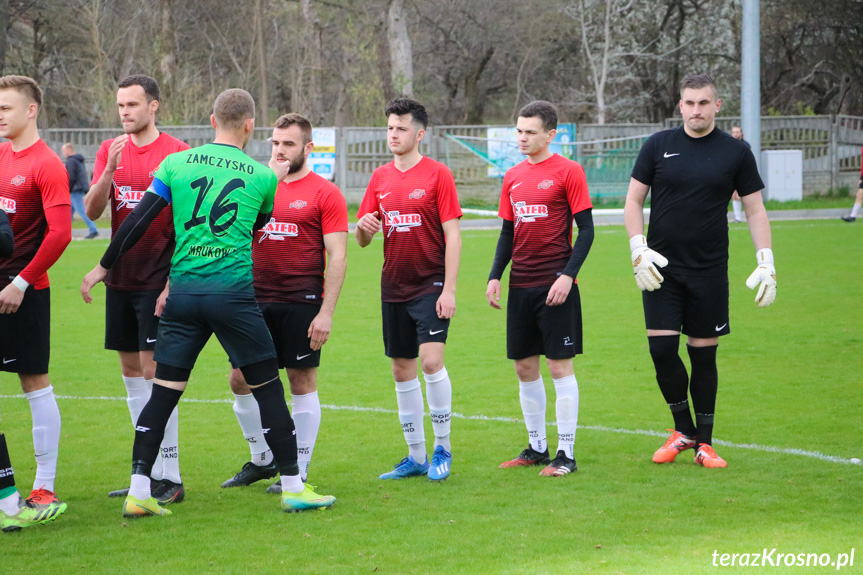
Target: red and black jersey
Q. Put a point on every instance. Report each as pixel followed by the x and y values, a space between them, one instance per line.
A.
pixel 146 265
pixel 31 181
pixel 541 199
pixel 288 254
pixel 412 207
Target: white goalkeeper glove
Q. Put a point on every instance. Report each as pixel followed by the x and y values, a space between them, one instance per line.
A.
pixel 644 263
pixel 764 278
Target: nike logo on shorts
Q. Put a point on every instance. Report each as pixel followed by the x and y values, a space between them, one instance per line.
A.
pixel 667 155
pixel 151 340
pixel 5 361
pixel 300 357
pixel 435 332
pixel 720 327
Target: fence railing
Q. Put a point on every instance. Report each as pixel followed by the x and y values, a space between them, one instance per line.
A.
pixel 830 144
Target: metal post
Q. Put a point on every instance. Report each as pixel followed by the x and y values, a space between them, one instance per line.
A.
pixel 750 87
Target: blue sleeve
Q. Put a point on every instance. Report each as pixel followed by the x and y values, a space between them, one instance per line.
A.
pixel 161 189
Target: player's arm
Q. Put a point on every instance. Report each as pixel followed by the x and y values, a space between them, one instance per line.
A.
pixel 7 239
pixel 130 231
pixel 452 257
pixel 100 192
pixel 336 245
pixel 502 257
pixel 261 220
pixel 563 285
pixel 764 276
pixel 644 259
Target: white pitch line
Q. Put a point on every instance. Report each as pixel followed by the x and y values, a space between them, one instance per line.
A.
pixel 602 428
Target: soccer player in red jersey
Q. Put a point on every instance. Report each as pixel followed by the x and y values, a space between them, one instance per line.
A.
pixel 137 287
pixel 34 193
pixel 306 235
pixel 539 199
pixel 413 201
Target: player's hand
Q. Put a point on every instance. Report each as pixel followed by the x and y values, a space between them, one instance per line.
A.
pixel 370 223
pixel 644 264
pixel 96 275
pixel 445 305
pixel 559 290
pixel 10 298
pixel 115 150
pixel 492 293
pixel 764 278
pixel 161 300
pixel 319 330
pixel 280 168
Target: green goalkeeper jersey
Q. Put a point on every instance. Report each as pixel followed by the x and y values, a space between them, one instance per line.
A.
pixel 216 192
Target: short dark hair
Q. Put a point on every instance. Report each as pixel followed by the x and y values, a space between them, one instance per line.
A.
pixel 403 106
pixel 23 85
pixel 233 107
pixel 150 85
pixel 543 110
pixel 696 82
pixel 294 119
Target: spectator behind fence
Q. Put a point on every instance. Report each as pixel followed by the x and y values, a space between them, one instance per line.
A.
pixel 79 184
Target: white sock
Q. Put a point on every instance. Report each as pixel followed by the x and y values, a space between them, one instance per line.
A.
pixel 46 435
pixel 855 210
pixel 11 505
pixel 249 417
pixel 170 450
pixel 409 397
pixel 567 413
pixel 737 205
pixel 439 397
pixel 139 487
pixel 138 392
pixel 307 421
pixel 532 397
pixel 292 484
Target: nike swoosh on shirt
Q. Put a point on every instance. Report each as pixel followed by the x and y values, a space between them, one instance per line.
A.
pixel 514 186
pixel 299 357
pixel 667 155
pixel 385 195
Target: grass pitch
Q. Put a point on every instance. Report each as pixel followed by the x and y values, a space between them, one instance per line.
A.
pixel 788 421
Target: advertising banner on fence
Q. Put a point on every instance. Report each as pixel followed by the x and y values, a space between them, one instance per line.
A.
pixel 322 160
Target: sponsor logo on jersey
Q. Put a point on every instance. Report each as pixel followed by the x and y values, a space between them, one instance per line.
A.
pixel 279 230
pixel 298 204
pixel 401 222
pixel 18 180
pixel 545 184
pixel 8 205
pixel 525 212
pixel 416 194
pixel 127 197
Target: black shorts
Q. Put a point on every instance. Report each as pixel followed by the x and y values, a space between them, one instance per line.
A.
pixel 534 328
pixel 409 324
pixel 289 325
pixel 130 320
pixel 695 305
pixel 188 320
pixel 25 336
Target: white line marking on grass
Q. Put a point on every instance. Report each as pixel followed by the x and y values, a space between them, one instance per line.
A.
pixel 602 428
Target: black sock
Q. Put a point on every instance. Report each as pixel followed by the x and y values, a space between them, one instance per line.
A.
pixel 672 379
pixel 150 428
pixel 702 386
pixel 282 437
pixel 7 475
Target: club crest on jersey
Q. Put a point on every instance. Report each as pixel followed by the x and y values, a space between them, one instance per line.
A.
pixel 416 194
pixel 525 212
pixel 127 197
pixel 279 231
pixel 401 222
pixel 298 204
pixel 8 205
pixel 18 180
pixel 545 184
